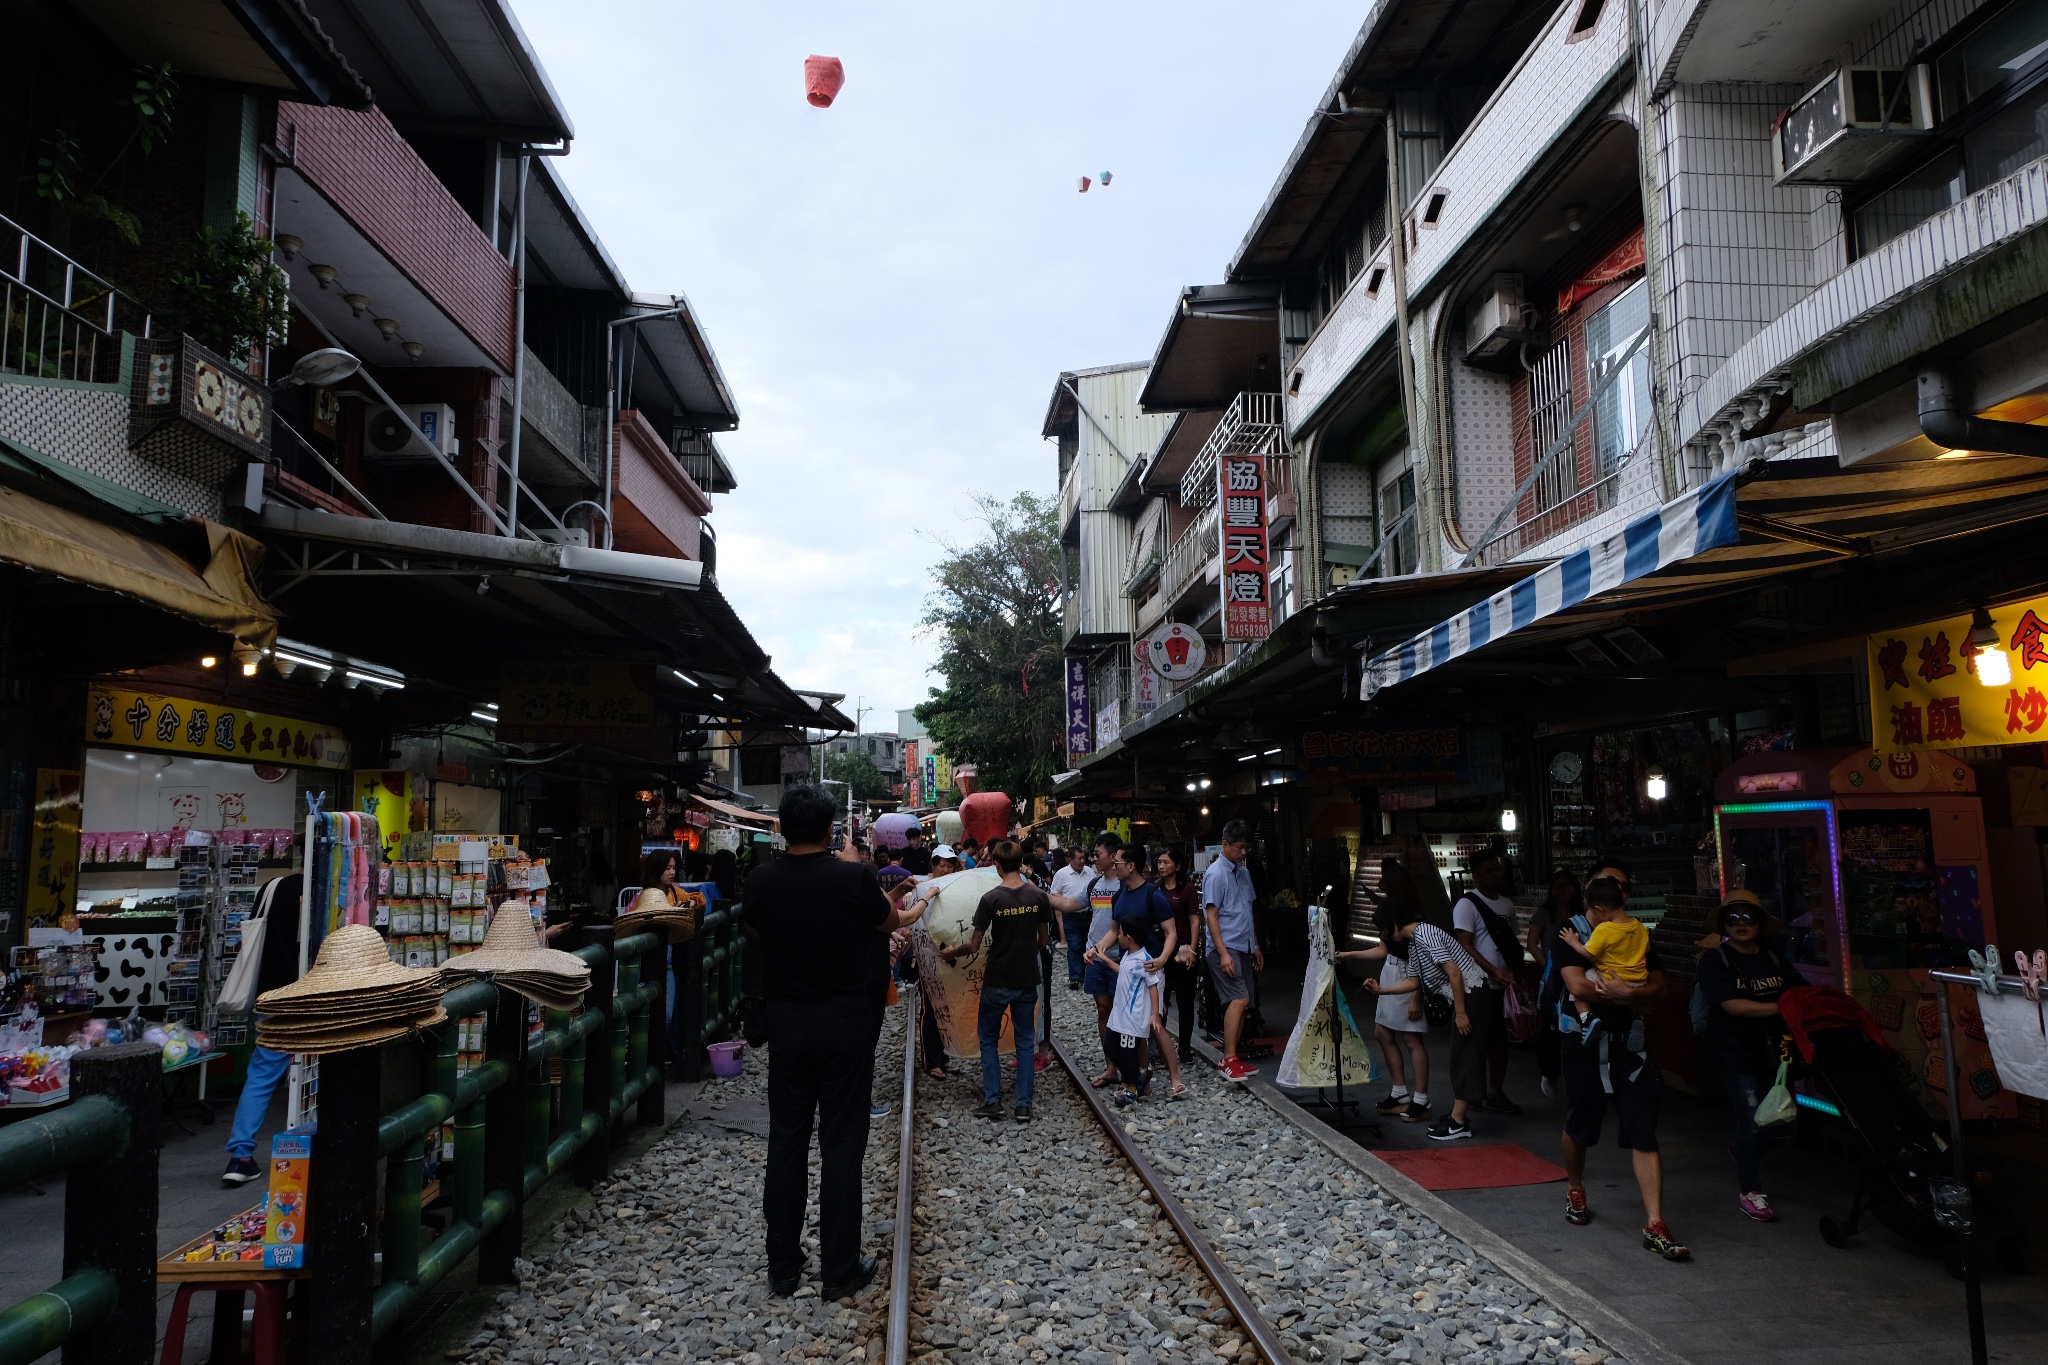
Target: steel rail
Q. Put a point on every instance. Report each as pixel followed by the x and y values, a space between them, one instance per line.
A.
pixel 899 1265
pixel 1262 1333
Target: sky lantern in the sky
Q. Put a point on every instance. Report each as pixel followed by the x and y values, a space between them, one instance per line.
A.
pixel 822 78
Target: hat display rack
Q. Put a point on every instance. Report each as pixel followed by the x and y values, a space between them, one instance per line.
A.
pixel 512 956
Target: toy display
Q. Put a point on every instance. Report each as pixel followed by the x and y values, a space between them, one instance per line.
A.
pixel 238 1239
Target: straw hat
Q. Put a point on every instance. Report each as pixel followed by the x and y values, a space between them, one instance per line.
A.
pixel 652 911
pixel 310 1040
pixel 511 946
pixel 353 962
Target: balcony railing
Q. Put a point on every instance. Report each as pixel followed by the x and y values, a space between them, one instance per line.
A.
pixel 1189 557
pixel 1254 424
pixel 60 320
pixel 1070 494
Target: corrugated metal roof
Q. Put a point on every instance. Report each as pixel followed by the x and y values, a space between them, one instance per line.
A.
pixel 448 65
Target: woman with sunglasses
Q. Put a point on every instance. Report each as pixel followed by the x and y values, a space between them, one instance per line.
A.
pixel 1742 979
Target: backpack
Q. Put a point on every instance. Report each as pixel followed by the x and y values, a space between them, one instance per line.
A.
pixel 1550 994
pixel 1501 932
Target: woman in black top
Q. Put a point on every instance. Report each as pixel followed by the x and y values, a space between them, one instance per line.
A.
pixel 1187 920
pixel 1742 980
pixel 1563 901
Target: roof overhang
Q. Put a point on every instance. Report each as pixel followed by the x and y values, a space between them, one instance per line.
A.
pixel 450 66
pixel 1222 340
pixel 676 369
pixel 273 45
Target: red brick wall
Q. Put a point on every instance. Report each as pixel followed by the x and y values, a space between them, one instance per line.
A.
pixel 657 503
pixel 358 160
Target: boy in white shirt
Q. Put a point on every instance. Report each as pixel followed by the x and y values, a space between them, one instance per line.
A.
pixel 1133 1009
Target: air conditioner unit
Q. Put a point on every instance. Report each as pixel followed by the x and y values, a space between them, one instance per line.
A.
pixel 1852 123
pixel 391 435
pixel 1498 324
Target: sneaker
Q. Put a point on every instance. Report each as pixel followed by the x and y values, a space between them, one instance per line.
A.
pixel 1125 1097
pixel 1023 1113
pixel 1044 1061
pixel 1239 1070
pixel 878 1111
pixel 1657 1237
pixel 241 1170
pixel 1414 1113
pixel 1500 1104
pixel 1549 1088
pixel 1757 1205
pixel 992 1110
pixel 1392 1104
pixel 1073 985
pixel 1575 1211
pixel 1448 1129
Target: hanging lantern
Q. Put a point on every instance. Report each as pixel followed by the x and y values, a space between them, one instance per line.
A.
pixel 1084 184
pixel 822 78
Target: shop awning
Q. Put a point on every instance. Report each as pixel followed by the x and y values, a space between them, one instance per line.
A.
pixel 1700 520
pixel 221 595
pixel 751 819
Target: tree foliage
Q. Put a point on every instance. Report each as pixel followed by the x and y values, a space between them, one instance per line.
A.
pixel 235 297
pixel 869 782
pixel 996 616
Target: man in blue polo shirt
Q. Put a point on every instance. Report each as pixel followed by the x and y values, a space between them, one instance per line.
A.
pixel 1233 945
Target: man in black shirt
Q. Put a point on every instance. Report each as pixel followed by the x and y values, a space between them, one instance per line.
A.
pixel 1609 1061
pixel 823 924
pixel 1019 916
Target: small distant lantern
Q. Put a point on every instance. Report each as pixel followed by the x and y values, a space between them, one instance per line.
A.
pixel 823 76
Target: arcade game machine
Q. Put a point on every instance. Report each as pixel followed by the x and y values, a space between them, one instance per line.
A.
pixel 1877 870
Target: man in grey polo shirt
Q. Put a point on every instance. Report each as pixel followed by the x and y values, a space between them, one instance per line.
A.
pixel 1233 946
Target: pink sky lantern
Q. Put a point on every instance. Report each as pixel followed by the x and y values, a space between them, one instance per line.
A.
pixel 986 816
pixel 1084 184
pixel 822 78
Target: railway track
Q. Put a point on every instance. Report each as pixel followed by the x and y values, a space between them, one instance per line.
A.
pixel 1252 1336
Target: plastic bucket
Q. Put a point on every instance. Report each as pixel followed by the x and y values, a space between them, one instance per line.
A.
pixel 725 1058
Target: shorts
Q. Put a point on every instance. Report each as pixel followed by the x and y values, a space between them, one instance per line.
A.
pixel 1635 1099
pixel 1229 988
pixel 1099 979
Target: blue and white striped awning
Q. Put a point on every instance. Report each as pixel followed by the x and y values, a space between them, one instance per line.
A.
pixel 1703 519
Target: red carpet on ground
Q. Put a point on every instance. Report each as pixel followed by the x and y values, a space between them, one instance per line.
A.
pixel 1472 1168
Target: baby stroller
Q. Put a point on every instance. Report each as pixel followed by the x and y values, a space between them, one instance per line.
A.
pixel 1854 1080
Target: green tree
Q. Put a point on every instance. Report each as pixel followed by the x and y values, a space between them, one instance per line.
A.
pixel 869 782
pixel 996 616
pixel 235 297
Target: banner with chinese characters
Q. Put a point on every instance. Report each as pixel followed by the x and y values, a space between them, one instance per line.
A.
pixel 1080 724
pixel 606 704
pixel 1396 755
pixel 1247 614
pixel 53 849
pixel 205 729
pixel 1926 692
pixel 913 773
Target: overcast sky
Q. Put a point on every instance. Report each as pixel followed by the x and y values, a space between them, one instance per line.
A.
pixel 894 284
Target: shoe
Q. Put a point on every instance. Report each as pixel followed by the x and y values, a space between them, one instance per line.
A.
pixel 1414 1113
pixel 1575 1211
pixel 1757 1205
pixel 1500 1104
pixel 1073 985
pixel 878 1111
pixel 863 1276
pixel 1657 1237
pixel 1044 1061
pixel 782 1289
pixel 241 1170
pixel 1125 1097
pixel 1549 1088
pixel 1392 1104
pixel 1023 1113
pixel 1448 1129
pixel 992 1110
pixel 1237 1069
pixel 1637 1039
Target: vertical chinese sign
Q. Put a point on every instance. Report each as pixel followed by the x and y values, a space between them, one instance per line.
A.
pixel 53 849
pixel 1080 725
pixel 1927 690
pixel 1247 612
pixel 913 775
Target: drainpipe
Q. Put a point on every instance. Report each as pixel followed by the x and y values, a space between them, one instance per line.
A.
pixel 1397 236
pixel 518 333
pixel 1947 421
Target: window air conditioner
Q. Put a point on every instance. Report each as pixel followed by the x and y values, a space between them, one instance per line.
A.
pixel 1851 123
pixel 1498 325
pixel 391 435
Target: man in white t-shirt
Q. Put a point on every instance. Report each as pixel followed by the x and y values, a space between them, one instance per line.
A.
pixel 1484 922
pixel 1070 903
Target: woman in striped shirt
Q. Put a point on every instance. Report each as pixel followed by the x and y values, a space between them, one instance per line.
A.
pixel 1440 966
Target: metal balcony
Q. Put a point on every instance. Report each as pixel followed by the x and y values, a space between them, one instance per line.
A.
pixel 1253 424
pixel 58 320
pixel 1188 559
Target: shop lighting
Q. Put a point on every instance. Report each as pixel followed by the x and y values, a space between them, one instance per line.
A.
pixel 1270 752
pixel 484 716
pixel 1205 809
pixel 1654 785
pixel 684 678
pixel 1205 784
pixel 1191 786
pixel 1247 758
pixel 1508 820
pixel 1815 1102
pixel 1993 668
pixel 208 661
pixel 375 680
pixel 286 656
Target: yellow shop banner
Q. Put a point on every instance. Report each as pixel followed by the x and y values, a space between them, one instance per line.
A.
pixel 179 725
pixel 1930 688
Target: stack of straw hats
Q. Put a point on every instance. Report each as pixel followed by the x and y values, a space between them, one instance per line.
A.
pixel 653 912
pixel 512 956
pixel 354 996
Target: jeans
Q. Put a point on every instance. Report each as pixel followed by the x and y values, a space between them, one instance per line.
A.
pixel 1023 1007
pixel 1076 930
pixel 266 1070
pixel 1745 1093
pixel 821 1068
